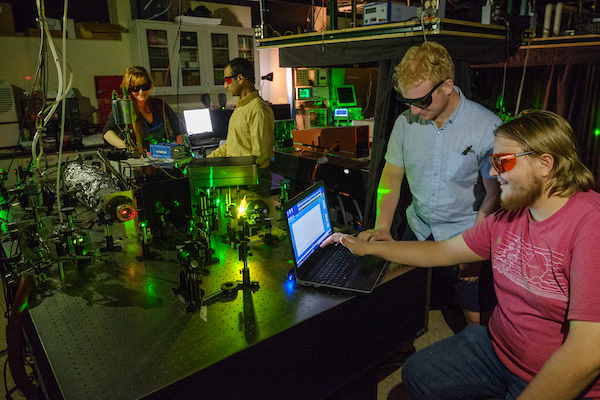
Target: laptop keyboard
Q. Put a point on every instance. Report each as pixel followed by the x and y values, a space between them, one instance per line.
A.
pixel 336 270
pixel 202 140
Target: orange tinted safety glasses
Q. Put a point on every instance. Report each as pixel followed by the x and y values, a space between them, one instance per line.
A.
pixel 504 162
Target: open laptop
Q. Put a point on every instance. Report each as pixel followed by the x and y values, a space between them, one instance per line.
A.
pixel 308 223
pixel 199 127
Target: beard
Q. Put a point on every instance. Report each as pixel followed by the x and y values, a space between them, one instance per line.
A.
pixel 522 196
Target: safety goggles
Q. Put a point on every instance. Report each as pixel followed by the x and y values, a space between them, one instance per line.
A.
pixel 421 102
pixel 229 79
pixel 137 88
pixel 504 162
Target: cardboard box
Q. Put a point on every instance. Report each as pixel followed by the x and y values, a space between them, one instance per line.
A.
pixel 7 23
pixel 35 32
pixel 348 141
pixel 93 30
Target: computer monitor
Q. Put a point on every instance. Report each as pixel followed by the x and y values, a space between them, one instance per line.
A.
pixel 346 95
pixel 220 122
pixel 197 121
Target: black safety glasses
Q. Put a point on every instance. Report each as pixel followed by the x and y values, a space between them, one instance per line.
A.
pixel 421 102
pixel 137 88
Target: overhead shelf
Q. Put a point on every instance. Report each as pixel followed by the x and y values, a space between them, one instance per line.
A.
pixel 576 49
pixel 433 26
pixel 466 41
pixel 565 41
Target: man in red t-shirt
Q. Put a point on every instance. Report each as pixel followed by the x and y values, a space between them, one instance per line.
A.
pixel 544 335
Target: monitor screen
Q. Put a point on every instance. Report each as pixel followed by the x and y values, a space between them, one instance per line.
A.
pixel 346 95
pixel 197 121
pixel 341 113
pixel 309 223
pixel 304 93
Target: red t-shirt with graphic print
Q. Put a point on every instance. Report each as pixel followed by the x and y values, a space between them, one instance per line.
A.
pixel 545 274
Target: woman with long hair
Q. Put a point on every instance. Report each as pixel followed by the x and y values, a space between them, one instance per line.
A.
pixel 152 119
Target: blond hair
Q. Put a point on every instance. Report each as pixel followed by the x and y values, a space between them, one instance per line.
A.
pixel 544 132
pixel 430 61
pixel 136 76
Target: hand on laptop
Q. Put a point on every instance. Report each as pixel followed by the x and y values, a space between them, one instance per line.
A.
pixel 375 234
pixel 355 245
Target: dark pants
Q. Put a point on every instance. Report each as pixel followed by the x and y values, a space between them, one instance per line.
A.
pixel 463 366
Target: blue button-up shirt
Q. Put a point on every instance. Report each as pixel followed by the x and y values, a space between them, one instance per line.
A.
pixel 442 166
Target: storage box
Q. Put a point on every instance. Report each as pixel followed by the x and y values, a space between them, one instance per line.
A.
pixel 93 30
pixel 7 23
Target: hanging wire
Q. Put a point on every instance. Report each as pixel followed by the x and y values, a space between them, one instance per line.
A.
pixel 164 113
pixel 522 82
pixel 421 19
pixel 41 120
pixel 504 74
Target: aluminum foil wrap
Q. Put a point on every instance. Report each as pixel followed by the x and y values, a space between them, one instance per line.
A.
pixel 90 184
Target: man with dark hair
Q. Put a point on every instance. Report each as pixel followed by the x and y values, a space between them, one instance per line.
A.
pixel 543 340
pixel 244 67
pixel 251 129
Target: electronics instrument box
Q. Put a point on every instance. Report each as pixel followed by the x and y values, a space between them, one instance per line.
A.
pixel 222 172
pixel 348 141
pixel 386 12
pixel 347 113
pixel 172 151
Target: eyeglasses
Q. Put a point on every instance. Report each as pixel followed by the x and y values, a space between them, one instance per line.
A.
pixel 421 102
pixel 137 88
pixel 504 162
pixel 229 79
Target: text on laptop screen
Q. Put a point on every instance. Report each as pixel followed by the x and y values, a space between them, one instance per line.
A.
pixel 197 121
pixel 309 224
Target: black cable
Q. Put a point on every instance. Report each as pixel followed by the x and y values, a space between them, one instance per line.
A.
pixel 92 220
pixel 10 259
pixel 3 271
pixel 6 297
pixel 18 242
pixel 5 380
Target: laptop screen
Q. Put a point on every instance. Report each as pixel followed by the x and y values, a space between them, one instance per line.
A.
pixel 309 223
pixel 197 121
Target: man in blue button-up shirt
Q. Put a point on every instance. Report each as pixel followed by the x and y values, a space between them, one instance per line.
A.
pixel 441 144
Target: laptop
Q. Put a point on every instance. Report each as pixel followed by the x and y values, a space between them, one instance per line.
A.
pixel 199 127
pixel 308 224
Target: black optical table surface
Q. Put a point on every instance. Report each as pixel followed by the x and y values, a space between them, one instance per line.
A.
pixel 115 330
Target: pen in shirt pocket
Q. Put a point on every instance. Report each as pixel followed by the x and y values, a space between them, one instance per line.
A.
pixel 468 150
